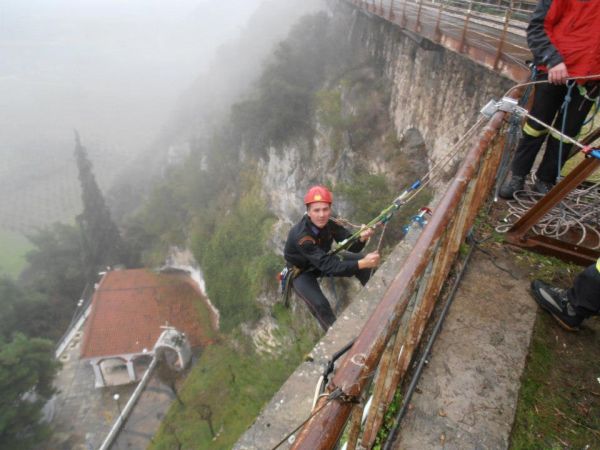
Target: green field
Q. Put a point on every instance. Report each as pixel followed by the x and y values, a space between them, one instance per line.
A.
pixel 13 247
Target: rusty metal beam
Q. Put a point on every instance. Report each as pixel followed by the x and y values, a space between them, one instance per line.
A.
pixel 553 247
pixel 518 233
pixel 323 431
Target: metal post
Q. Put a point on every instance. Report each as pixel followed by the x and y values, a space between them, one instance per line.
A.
pixel 463 38
pixel 502 38
pixel 438 31
pixel 418 23
pixel 116 398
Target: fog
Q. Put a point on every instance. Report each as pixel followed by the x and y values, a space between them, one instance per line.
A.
pixel 132 76
pixel 110 68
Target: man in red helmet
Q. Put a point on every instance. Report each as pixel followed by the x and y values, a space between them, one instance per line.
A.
pixel 307 247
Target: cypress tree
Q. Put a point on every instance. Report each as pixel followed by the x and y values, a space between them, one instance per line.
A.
pixel 102 243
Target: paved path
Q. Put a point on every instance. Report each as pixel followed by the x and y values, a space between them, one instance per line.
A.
pixel 467 395
pixel 83 415
pixel 145 417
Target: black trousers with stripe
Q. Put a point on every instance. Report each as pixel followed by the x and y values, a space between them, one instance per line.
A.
pixel 306 285
pixel 547 102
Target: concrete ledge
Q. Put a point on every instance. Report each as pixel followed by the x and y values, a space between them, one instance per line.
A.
pixel 292 403
pixel 467 396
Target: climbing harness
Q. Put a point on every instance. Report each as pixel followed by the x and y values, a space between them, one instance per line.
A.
pixel 434 173
pixel 384 216
pixel 286 278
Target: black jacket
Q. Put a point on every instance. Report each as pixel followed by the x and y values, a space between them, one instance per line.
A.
pixel 307 246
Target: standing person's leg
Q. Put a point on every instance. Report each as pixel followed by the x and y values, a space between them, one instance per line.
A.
pixel 584 295
pixel 306 285
pixel 571 307
pixel 577 111
pixel 547 101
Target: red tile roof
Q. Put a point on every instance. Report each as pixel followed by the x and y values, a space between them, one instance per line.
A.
pixel 130 306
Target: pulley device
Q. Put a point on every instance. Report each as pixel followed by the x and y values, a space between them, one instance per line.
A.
pixel 510 105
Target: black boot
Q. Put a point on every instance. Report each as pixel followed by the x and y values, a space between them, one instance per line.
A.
pixel 555 301
pixel 514 184
pixel 542 187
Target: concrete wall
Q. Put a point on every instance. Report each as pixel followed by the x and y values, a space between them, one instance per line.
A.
pixel 436 91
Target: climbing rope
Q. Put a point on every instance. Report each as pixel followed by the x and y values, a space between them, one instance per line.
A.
pixel 577 214
pixel 337 394
pixel 564 109
pixel 582 210
pixel 433 174
pixel 533 83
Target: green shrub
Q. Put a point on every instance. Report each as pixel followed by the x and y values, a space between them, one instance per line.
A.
pixel 236 262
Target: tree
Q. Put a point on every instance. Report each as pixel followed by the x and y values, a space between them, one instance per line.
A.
pixel 205 413
pixel 27 367
pixel 24 310
pixel 102 242
pixel 56 273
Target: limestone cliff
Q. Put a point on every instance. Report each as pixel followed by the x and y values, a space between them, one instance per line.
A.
pixel 347 100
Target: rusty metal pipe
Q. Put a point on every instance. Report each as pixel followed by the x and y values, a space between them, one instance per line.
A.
pixel 323 431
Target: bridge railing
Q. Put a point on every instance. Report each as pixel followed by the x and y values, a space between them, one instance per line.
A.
pixel 356 399
pixel 492 33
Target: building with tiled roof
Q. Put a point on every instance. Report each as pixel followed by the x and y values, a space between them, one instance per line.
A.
pixel 129 311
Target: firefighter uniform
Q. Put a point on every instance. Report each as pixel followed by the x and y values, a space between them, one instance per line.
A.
pixel 560 31
pixel 307 248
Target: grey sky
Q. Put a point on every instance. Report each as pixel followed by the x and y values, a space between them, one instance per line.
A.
pixel 111 68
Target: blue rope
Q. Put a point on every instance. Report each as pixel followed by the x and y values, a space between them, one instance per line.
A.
pixel 563 108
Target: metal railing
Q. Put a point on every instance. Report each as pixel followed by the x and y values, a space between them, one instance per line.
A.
pixel 379 359
pixel 491 33
pixel 82 310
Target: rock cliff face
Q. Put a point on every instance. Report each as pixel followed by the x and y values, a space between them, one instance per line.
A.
pixel 432 96
pixel 347 100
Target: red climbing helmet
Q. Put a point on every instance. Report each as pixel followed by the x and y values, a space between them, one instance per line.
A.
pixel 318 194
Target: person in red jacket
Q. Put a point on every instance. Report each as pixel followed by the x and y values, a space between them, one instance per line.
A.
pixel 564 39
pixel 307 249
